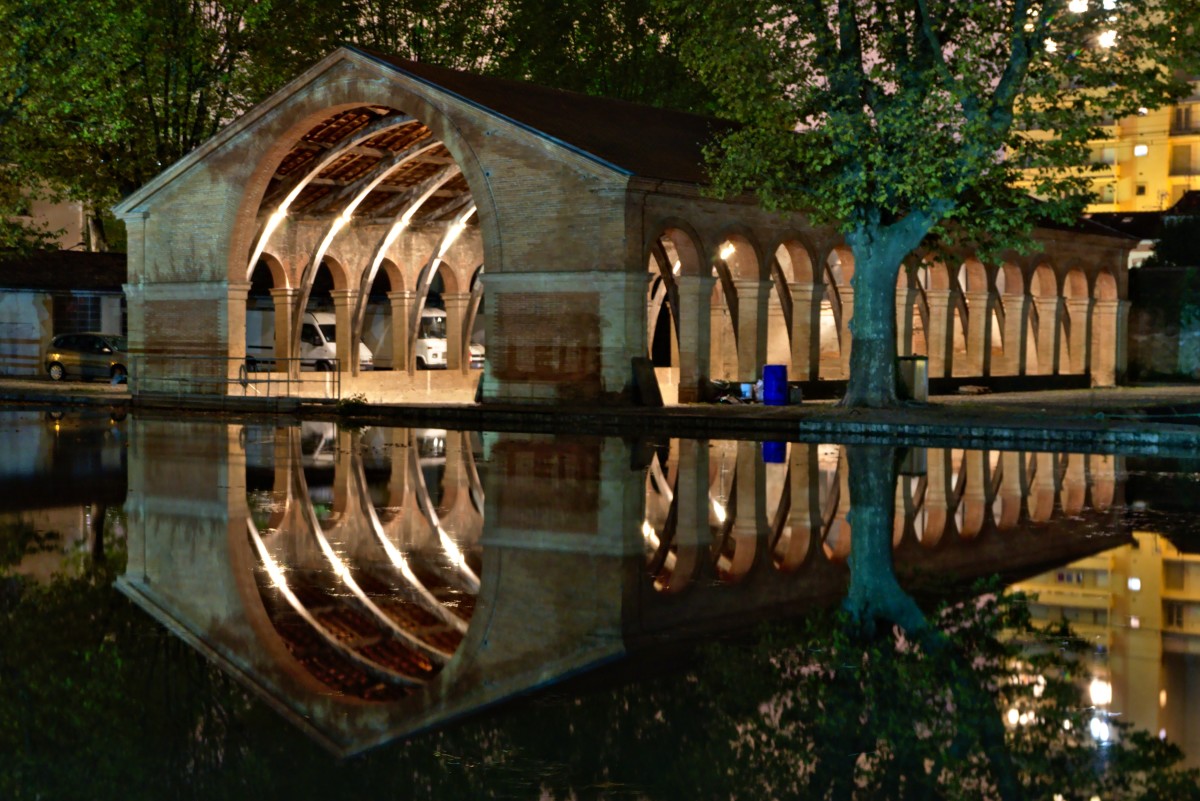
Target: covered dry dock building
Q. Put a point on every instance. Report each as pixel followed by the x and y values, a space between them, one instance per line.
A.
pixel 374 187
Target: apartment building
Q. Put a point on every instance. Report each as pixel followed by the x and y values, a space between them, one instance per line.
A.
pixel 1140 607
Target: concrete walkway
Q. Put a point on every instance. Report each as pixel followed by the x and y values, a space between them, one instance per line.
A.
pixel 1159 418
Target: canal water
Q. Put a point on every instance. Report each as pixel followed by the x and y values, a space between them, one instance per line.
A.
pixel 209 609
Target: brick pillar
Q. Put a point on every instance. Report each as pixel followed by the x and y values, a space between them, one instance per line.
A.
pixel 938 337
pixel 284 299
pixel 1049 326
pixel 695 335
pixel 846 293
pixel 748 529
pixel 904 320
pixel 1104 343
pixel 979 334
pixel 806 331
pixel 1079 311
pixel 401 302
pixel 1016 330
pixel 752 327
pixel 456 312
pixel 343 307
pixel 1122 343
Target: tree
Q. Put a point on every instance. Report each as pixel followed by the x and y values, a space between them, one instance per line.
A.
pixel 912 121
pixel 97 98
pixel 623 49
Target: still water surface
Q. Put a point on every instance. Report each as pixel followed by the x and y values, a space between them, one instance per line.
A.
pixel 196 609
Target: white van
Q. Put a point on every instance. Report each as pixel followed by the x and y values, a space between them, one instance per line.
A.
pixel 431 343
pixel 318 348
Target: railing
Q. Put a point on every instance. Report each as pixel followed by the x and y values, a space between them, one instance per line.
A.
pixel 197 375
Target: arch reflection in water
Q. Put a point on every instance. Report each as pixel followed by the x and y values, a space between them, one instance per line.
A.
pixel 372 583
pixel 953 508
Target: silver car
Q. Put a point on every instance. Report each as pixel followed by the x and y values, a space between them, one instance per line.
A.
pixel 87 356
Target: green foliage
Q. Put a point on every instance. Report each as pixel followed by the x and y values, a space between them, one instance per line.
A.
pixel 906 107
pixel 18 539
pixel 905 123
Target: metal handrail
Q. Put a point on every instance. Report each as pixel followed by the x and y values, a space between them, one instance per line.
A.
pixel 185 374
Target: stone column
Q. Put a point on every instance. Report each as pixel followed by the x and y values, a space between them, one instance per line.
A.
pixel 979 334
pixel 748 529
pixel 975 491
pixel 401 302
pixel 284 299
pixel 939 338
pixel 343 307
pixel 692 536
pixel 456 312
pixel 235 332
pixel 695 335
pixel 1016 332
pixel 1080 314
pixel 806 330
pixel 751 327
pixel 1049 325
pixel 904 320
pixel 1122 358
pixel 846 294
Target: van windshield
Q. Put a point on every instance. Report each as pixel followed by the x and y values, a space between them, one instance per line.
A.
pixel 432 328
pixel 327 329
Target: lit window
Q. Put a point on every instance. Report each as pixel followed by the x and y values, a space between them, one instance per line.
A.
pixel 1140 150
pixel 1135 622
pixel 1107 39
pixel 1051 46
pixel 1134 583
pixel 1078 6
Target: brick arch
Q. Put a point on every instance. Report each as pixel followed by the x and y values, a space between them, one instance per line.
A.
pixel 287 122
pixel 937 274
pixel 1076 284
pixel 337 271
pixel 795 261
pixel 1043 282
pixel 279 274
pixel 1010 279
pixel 678 238
pixel 1105 287
pixel 973 276
pixel 394 274
pixel 740 253
pixel 838 266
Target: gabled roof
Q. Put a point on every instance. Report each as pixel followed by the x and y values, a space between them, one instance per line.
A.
pixel 636 139
pixel 64 271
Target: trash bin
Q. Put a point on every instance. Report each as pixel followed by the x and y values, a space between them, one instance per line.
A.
pixel 775 385
pixel 914 377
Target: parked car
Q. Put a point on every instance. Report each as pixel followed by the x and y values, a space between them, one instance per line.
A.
pixel 87 356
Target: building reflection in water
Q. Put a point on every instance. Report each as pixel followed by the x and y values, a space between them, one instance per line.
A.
pixel 372 583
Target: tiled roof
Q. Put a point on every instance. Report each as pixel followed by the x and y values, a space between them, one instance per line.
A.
pixel 637 139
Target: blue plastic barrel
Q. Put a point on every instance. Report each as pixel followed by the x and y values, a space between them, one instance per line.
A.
pixel 775 385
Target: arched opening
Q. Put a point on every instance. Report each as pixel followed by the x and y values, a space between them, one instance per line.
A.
pixel 377 319
pixel 679 293
pixel 837 306
pixel 262 344
pixel 1074 355
pixel 1047 306
pixel 373 196
pixel 801 294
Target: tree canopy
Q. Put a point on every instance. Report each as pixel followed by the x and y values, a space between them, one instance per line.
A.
pixel 908 122
pixel 97 98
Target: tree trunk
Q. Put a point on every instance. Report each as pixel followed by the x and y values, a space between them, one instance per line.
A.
pixel 874 592
pixel 878 253
pixel 876 596
pixel 97 239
